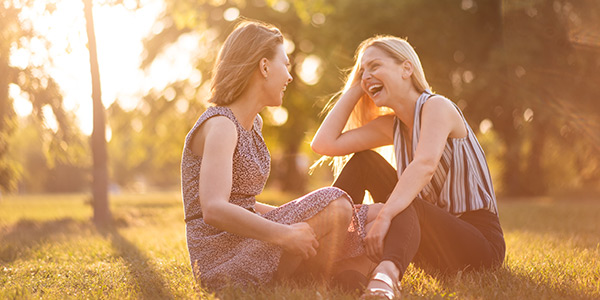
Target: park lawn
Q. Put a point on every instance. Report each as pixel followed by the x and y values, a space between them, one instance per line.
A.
pixel 49 249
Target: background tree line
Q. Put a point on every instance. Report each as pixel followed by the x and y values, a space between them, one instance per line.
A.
pixel 525 74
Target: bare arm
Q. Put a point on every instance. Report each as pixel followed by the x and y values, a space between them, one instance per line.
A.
pixel 330 140
pixel 220 138
pixel 439 120
pixel 264 208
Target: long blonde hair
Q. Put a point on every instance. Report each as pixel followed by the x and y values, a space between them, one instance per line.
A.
pixel 239 56
pixel 365 110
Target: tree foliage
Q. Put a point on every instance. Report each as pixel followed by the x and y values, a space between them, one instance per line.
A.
pixel 524 73
pixel 525 68
pixel 64 142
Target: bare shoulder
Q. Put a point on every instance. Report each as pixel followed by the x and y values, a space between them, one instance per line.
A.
pixel 439 106
pixel 440 110
pixel 438 102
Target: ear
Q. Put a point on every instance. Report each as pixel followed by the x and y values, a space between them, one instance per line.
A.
pixel 263 67
pixel 407 69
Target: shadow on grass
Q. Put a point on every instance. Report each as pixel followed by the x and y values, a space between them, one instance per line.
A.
pixel 500 283
pixel 17 239
pixel 150 283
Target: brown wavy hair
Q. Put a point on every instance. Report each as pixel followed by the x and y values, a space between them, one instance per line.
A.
pixel 239 56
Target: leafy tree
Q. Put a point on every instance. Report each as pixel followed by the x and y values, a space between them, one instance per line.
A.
pixel 517 65
pixel 64 143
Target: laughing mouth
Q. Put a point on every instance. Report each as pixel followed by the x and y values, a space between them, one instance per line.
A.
pixel 375 89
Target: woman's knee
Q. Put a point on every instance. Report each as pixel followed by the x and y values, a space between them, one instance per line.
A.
pixel 340 209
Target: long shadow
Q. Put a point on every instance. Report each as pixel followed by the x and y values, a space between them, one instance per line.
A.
pixel 15 240
pixel 150 283
pixel 501 283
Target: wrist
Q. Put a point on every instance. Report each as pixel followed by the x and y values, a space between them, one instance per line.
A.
pixel 353 94
pixel 278 235
pixel 384 216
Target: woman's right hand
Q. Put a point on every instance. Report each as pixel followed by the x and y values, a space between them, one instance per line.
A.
pixel 300 240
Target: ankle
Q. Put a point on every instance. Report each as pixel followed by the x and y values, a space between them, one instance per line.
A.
pixel 389 268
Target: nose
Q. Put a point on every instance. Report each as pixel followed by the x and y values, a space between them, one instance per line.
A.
pixel 290 78
pixel 365 75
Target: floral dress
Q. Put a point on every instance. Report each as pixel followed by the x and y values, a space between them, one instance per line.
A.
pixel 219 257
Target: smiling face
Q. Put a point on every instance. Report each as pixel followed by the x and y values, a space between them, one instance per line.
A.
pixel 382 77
pixel 277 76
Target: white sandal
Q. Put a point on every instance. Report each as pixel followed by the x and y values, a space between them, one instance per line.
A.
pixel 381 293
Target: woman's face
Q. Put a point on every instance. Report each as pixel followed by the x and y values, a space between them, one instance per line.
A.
pixel 278 76
pixel 380 76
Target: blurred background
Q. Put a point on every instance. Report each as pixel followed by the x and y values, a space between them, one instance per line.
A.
pixel 525 73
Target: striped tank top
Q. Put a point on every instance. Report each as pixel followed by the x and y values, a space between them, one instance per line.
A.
pixel 462 181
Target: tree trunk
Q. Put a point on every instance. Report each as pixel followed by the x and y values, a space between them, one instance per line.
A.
pixel 102 215
pixel 8 175
pixel 535 172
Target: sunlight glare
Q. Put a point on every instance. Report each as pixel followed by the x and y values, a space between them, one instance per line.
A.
pixel 279 115
pixel 528 115
pixel 485 125
pixel 310 70
pixel 281 6
pixel 21 104
pixel 108 133
pixel 231 14
pixel 289 46
pixel 119 34
pixel 468 76
pixel 318 19
pixel 49 118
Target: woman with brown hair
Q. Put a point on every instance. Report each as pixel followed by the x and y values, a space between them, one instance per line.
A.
pixel 440 207
pixel 231 238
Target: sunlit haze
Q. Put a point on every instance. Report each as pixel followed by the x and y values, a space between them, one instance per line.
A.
pixel 119 33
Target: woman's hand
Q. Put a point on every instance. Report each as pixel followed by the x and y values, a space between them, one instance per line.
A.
pixel 300 240
pixel 375 236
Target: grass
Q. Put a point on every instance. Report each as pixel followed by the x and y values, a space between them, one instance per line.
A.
pixel 49 249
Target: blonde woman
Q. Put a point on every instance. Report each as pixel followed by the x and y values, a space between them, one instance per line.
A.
pixel 440 207
pixel 231 238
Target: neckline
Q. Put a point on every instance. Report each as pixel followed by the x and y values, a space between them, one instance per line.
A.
pixel 237 122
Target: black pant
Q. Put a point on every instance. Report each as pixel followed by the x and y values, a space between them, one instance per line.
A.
pixel 423 232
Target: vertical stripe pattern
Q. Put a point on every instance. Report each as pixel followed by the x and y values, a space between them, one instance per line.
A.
pixel 462 180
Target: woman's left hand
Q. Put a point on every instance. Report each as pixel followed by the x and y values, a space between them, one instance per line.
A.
pixel 374 238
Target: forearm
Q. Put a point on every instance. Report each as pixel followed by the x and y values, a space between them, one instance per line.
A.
pixel 335 121
pixel 263 208
pixel 235 219
pixel 413 180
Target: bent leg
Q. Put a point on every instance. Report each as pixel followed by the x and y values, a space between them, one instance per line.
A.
pixel 331 227
pixel 436 237
pixel 367 170
pixel 426 233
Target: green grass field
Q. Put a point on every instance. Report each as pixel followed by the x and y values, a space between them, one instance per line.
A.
pixel 49 249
